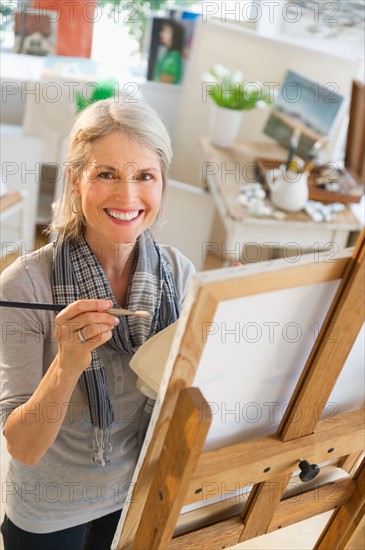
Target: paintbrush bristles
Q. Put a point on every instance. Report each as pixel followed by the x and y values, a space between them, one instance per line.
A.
pixel 142 313
pixel 123 312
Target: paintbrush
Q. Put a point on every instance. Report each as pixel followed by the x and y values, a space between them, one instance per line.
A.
pixel 294 141
pixel 313 155
pixel 58 307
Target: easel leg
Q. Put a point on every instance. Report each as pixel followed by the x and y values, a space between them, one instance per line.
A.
pixel 347 522
pixel 183 445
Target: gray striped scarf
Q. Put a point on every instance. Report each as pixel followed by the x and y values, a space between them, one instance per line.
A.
pixel 77 274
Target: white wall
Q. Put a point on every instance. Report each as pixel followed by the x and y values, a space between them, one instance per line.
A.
pixel 262 59
pixel 164 99
pixel 188 216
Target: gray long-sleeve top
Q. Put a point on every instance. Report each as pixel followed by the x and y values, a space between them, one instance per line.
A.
pixel 65 488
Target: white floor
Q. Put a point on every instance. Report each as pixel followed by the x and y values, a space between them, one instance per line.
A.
pixel 300 536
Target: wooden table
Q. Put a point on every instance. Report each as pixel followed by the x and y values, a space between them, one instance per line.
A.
pixel 250 238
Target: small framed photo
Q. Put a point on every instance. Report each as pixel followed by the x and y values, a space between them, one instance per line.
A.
pixel 315 108
pixel 35 32
pixel 170 43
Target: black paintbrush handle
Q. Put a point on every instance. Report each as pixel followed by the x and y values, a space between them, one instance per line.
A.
pixel 294 142
pixel 58 307
pixel 33 305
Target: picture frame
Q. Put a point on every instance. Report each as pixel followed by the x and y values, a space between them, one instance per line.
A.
pixel 170 43
pixel 315 109
pixel 35 32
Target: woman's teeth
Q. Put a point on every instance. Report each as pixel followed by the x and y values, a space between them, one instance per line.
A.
pixel 124 216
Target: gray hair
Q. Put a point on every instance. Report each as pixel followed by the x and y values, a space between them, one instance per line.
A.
pixel 136 121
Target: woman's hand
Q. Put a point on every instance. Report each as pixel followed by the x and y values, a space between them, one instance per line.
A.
pixel 81 327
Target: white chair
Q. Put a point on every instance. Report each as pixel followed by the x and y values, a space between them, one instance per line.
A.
pixel 188 218
pixel 21 169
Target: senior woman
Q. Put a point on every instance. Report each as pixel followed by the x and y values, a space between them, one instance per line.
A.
pixel 69 404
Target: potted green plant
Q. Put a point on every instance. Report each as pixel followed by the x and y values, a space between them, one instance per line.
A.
pixel 231 95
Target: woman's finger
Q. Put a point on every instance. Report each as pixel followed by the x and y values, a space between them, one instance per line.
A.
pixel 85 321
pixel 82 306
pixel 95 317
pixel 92 333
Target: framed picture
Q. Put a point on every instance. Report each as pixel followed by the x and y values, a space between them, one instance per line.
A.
pixel 303 103
pixel 35 32
pixel 170 43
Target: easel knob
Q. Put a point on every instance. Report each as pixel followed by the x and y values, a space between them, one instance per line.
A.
pixel 308 471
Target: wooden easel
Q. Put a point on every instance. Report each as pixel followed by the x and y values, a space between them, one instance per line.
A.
pixel 174 468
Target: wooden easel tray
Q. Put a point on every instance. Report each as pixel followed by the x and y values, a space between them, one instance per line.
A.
pixel 349 190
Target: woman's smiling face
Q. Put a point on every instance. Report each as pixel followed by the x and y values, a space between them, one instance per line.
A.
pixel 120 190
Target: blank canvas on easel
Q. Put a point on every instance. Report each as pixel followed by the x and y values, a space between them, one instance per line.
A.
pixel 244 338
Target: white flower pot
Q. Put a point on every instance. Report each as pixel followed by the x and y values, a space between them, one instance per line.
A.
pixel 224 125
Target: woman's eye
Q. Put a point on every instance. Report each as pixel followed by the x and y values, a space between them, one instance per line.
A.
pixel 145 177
pixel 106 175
